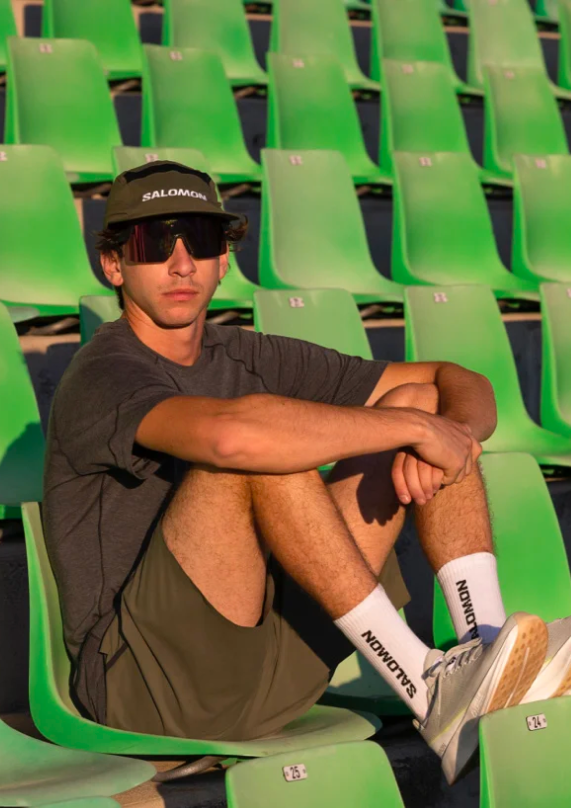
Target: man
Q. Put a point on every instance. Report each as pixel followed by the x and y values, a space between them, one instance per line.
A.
pixel 210 580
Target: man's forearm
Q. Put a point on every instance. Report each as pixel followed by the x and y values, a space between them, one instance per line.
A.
pixel 273 434
pixel 468 398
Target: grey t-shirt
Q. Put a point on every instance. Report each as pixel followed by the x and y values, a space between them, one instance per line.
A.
pixel 103 493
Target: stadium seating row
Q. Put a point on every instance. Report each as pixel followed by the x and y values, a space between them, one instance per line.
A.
pixel 57 96
pixel 500 34
pixel 436 241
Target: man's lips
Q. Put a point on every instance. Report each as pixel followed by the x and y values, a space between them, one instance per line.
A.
pixel 181 294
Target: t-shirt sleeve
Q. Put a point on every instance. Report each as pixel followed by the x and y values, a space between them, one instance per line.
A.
pixel 98 408
pixel 299 369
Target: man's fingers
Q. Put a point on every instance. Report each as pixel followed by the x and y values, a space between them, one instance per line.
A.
pixel 425 477
pixel 437 478
pixel 399 481
pixel 412 478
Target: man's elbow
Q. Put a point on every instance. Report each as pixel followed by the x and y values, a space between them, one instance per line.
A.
pixel 488 398
pixel 231 448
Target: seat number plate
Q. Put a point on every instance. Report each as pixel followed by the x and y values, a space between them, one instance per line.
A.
pixel 293 773
pixel 536 722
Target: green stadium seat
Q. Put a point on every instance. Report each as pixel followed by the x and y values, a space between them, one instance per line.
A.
pixel 108 24
pixel 37 208
pixel 21 436
pixel 311 107
pixel 203 117
pixel 420 113
pixel 337 776
pixel 564 74
pixel 19 314
pixel 34 773
pixel 94 310
pixel 524 768
pixel 215 25
pixel 503 34
pixel 521 117
pixel 548 10
pixel 7 28
pixel 411 31
pixel 319 28
pixel 462 324
pixel 442 231
pixel 327 317
pixel 310 194
pixel 556 358
pixel 57 718
pixel 58 96
pixel 235 291
pixel 532 560
pixel 541 246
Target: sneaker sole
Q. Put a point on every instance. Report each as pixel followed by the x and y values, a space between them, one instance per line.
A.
pixel 557 677
pixel 517 665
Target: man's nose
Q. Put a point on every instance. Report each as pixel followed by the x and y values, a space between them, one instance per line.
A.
pixel 181 262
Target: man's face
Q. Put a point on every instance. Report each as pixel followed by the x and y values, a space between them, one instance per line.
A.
pixel 172 294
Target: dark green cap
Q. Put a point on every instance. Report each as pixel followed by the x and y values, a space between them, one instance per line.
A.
pixel 162 188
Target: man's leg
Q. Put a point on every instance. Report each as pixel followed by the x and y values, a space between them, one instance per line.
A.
pixel 209 527
pixel 454 527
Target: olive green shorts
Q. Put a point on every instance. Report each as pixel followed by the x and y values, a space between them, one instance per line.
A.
pixel 175 666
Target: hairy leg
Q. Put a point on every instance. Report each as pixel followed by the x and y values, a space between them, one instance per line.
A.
pixel 211 526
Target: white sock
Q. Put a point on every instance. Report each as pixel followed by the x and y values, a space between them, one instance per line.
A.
pixel 376 629
pixel 472 591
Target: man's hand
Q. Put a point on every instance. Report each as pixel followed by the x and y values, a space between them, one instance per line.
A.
pixel 446 454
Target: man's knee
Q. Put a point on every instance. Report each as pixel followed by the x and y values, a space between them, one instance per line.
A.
pixel 417 396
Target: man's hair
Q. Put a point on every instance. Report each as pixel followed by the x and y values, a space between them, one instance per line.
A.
pixel 112 238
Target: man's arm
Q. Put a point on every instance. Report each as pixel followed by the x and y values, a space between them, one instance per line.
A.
pixel 273 434
pixel 464 396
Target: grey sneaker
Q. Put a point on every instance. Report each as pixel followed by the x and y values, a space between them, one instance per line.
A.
pixel 554 679
pixel 474 679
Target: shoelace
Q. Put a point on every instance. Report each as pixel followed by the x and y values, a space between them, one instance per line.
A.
pixel 454 659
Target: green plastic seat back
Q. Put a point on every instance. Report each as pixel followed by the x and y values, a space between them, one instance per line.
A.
pixel 564 13
pixel 462 324
pixel 327 317
pixel 548 10
pixel 501 33
pixel 541 245
pixel 108 24
pixel 408 31
pixel 311 194
pixel 442 231
pixel 311 107
pixel 319 27
pixel 33 772
pixel 214 25
pixel 521 117
pixel 21 436
pixel 35 198
pixel 7 28
pixel 420 111
pixel 532 561
pixel 58 96
pixel 556 359
pixel 203 117
pixel 522 767
pixel 94 310
pixel 331 777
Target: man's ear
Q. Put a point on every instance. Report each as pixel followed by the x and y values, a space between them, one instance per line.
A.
pixel 224 263
pixel 111 266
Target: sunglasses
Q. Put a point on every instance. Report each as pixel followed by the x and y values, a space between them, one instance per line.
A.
pixel 152 241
